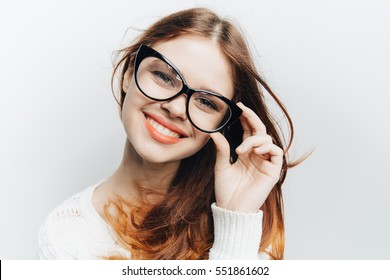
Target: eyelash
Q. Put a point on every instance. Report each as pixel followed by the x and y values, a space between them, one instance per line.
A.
pixel 208 103
pixel 164 77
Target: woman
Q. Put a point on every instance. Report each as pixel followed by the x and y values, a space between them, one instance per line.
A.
pixel 203 163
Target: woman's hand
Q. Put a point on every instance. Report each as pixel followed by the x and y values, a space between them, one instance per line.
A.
pixel 245 185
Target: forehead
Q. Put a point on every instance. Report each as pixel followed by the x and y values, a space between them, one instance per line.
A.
pixel 201 63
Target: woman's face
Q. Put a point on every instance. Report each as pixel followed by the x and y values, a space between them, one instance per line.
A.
pixel 160 131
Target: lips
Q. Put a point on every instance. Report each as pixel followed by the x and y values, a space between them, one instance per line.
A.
pixel 162 131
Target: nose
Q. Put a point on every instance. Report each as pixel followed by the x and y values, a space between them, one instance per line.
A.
pixel 176 107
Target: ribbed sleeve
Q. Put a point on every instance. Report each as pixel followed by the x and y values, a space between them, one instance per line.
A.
pixel 236 235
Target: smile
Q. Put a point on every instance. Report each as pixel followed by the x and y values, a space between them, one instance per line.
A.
pixel 162 131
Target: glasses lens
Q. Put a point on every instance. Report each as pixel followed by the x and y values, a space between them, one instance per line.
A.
pixel 157 79
pixel 208 112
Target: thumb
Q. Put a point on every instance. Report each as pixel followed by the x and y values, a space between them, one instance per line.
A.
pixel 223 151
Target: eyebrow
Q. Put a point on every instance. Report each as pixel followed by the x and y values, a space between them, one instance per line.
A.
pixel 214 91
pixel 181 73
pixel 202 88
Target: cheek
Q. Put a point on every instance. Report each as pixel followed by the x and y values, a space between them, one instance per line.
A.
pixel 195 145
pixel 127 108
pixel 201 139
pixel 134 99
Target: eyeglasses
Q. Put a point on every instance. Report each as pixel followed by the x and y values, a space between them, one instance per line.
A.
pixel 158 79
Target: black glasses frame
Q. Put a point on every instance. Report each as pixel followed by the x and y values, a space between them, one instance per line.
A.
pixel 145 51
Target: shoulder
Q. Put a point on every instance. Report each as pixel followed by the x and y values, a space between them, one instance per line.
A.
pixel 67 226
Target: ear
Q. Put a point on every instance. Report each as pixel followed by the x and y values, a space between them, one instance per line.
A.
pixel 127 79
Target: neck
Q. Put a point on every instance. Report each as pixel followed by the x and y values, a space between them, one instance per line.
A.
pixel 135 175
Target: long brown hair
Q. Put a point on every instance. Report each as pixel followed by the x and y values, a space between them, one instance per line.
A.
pixel 180 225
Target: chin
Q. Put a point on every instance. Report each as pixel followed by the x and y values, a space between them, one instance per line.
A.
pixel 155 154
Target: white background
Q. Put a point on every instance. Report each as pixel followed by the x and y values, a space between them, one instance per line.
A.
pixel 328 61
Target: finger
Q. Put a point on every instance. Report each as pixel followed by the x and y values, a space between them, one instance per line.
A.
pixel 223 151
pixel 253 124
pixel 275 153
pixel 253 142
pixel 246 128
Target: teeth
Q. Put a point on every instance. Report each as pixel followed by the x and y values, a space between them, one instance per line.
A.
pixel 162 129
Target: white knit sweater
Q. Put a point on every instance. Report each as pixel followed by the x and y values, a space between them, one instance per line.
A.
pixel 75 230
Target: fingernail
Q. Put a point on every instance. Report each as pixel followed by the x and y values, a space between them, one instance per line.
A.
pixel 239 149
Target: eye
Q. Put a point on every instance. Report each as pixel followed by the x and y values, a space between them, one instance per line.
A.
pixel 206 104
pixel 164 78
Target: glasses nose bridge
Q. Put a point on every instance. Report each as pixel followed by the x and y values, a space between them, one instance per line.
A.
pixel 187 90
